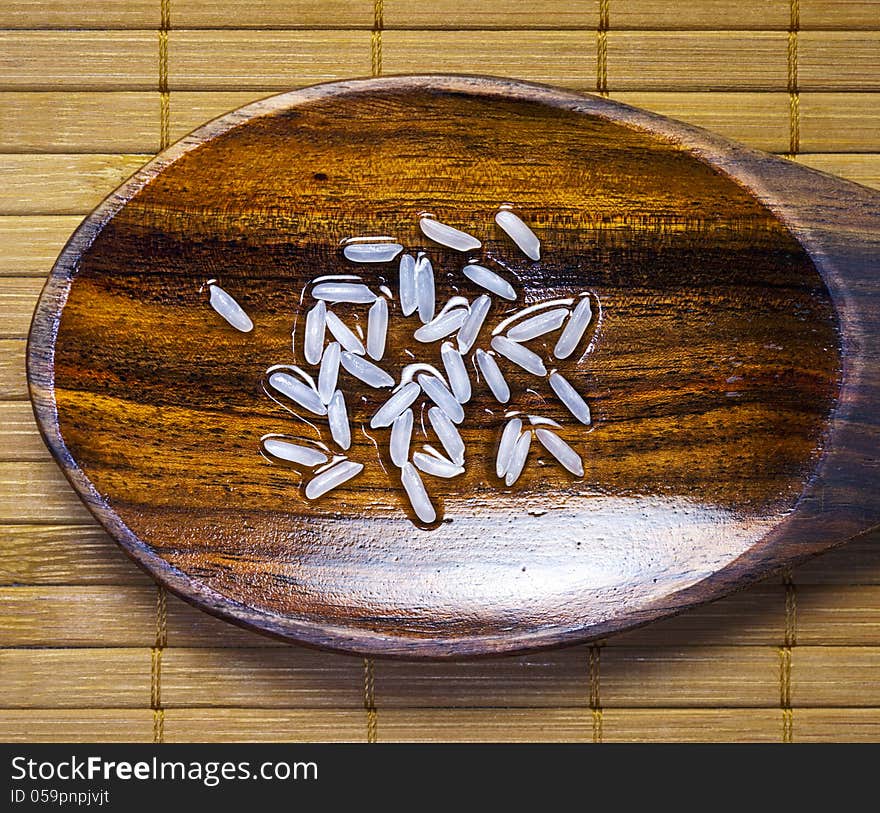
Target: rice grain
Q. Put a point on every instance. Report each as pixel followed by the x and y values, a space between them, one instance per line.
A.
pixel 313 344
pixel 574 330
pixel 365 371
pixel 567 456
pixel 355 293
pixel 494 378
pixel 415 490
pixel 488 279
pixel 371 252
pixel 459 381
pixel 294 453
pixel 522 356
pixel 408 299
pixel 332 478
pixel 474 323
pixel 511 433
pixel 425 291
pixel 298 392
pixel 377 328
pixel 518 458
pixel 343 335
pixel 337 416
pixel 229 309
pixel 435 466
pixel 436 390
pixel 401 437
pixel 537 325
pixel 329 372
pixel 570 397
pixel 447 235
pixel 447 434
pixel 398 402
pixel 442 326
pixel 525 239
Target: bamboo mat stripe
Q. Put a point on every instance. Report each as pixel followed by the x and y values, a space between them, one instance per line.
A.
pixel 90 649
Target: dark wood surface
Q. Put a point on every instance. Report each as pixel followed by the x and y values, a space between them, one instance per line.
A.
pixel 733 376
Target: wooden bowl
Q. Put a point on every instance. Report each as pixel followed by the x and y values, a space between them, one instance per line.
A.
pixel 732 372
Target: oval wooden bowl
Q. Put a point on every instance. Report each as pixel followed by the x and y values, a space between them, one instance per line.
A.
pixel 733 374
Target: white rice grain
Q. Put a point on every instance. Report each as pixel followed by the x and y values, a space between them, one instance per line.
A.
pixel 447 235
pixel 294 453
pixel 488 279
pixel 229 309
pixel 526 240
pixel 425 292
pixel 518 458
pixel 447 434
pixel 343 335
pixel 332 478
pixel 437 467
pixel 408 299
pixel 511 433
pixel 415 490
pixel 574 330
pixel 298 392
pixel 459 381
pixel 442 326
pixel 355 293
pixel 570 397
pixel 313 344
pixel 522 356
pixel 398 402
pixel 337 416
pixel 537 325
pixel 377 328
pixel 436 390
pixel 367 252
pixel 567 456
pixel 329 372
pixel 471 328
pixel 494 378
pixel 401 437
pixel 365 370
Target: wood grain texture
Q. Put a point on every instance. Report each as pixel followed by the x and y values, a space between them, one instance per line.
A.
pixel 65 121
pixel 751 495
pixel 30 244
pixel 264 60
pixel 19 439
pixel 840 14
pixel 64 555
pixel 839 122
pixel 710 60
pixel 79 60
pixel 72 678
pixel 106 14
pixel 271 725
pixel 76 725
pixel 260 14
pixel 13 382
pixel 760 120
pixel 859 167
pixel 562 58
pixel 62 184
pixel 17 299
pixel 838 60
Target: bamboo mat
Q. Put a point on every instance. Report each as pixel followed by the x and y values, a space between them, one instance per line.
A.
pixel 91 650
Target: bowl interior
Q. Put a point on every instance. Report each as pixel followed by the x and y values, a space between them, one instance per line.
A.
pixel 711 367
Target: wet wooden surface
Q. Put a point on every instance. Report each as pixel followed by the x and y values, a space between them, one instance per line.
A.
pixel 827 602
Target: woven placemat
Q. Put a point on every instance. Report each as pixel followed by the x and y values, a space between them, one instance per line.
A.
pixel 92 650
